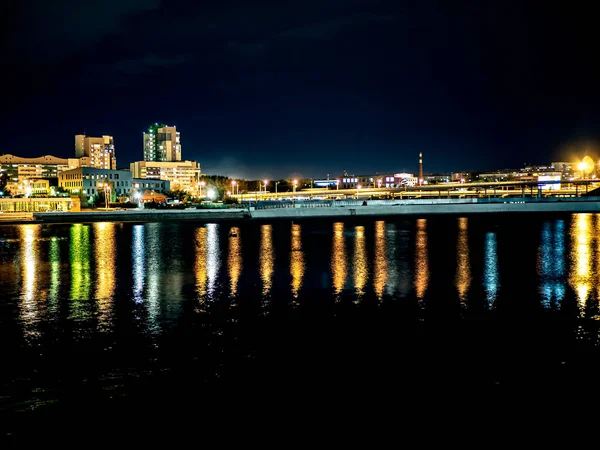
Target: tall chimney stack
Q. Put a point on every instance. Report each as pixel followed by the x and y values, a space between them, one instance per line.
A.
pixel 420 169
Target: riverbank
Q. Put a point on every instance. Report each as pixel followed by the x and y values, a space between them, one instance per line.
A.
pixel 318 210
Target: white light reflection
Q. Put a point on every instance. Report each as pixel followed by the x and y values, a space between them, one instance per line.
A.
pixel 392 272
pixel 213 257
pixel 54 257
pixel 138 263
pixel 551 263
pixel 153 250
pixel 490 270
pixel 31 295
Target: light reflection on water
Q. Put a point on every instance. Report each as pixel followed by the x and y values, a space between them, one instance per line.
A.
pixel 200 263
pixel 79 260
pixel 234 259
pixel 463 266
pixel 105 256
pixel 490 269
pixel 138 262
pixel 54 259
pixel 361 271
pixel 31 297
pixel 296 259
pixel 551 263
pixel 580 272
pixel 78 276
pixel 213 258
pixel 421 260
pixel 380 263
pixel 267 258
pixel 339 270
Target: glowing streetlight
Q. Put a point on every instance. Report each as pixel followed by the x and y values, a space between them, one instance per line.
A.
pixel 295 184
pixel 228 193
pixel 358 186
pixel 106 188
pixel 337 185
pixel 201 184
pixel 379 183
pixel 211 194
pixel 234 185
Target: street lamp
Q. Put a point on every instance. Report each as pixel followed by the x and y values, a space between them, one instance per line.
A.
pixel 200 185
pixel 233 186
pixel 106 187
pixel 358 186
pixel 379 183
pixel 276 183
pixel 295 184
pixel 337 185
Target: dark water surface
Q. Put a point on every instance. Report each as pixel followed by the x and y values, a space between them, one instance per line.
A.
pixel 152 319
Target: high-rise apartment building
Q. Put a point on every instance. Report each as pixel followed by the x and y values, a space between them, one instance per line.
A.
pixel 100 151
pixel 162 143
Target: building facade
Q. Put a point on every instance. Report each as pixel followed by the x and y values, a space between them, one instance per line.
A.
pixel 162 143
pixel 183 175
pixel 89 181
pixel 99 150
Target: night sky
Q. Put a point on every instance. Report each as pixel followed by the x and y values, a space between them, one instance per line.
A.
pixel 304 88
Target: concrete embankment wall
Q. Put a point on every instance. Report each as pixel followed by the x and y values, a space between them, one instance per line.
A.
pixel 197 215
pixel 425 209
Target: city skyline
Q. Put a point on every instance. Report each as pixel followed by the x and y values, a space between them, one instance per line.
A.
pixel 308 87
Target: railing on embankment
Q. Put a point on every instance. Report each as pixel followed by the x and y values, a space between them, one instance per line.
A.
pixel 16 217
pixel 142 216
pixel 345 208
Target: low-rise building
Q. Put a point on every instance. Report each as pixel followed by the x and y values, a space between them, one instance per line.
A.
pixel 183 175
pixel 89 181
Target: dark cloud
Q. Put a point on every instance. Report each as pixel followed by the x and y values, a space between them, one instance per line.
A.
pixel 52 30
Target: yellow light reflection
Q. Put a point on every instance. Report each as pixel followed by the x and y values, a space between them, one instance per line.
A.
pixel 421 260
pixel 380 263
pixel 234 260
pixel 267 258
pixel 579 275
pixel 339 270
pixel 463 269
pixel 200 263
pixel 79 258
pixel 296 260
pixel 597 235
pixel 360 261
pixel 31 294
pixel 105 256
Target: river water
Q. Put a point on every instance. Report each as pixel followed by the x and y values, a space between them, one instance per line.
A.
pixel 115 316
